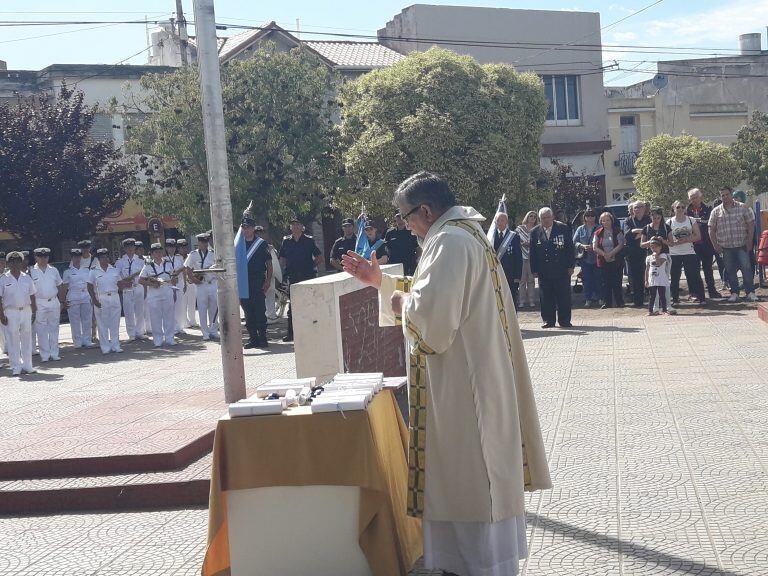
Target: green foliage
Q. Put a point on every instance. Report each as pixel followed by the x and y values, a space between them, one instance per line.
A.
pixel 573 190
pixel 477 126
pixel 751 151
pixel 279 139
pixel 669 166
pixel 57 183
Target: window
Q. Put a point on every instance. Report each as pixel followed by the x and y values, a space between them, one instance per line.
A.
pixel 623 195
pixel 562 94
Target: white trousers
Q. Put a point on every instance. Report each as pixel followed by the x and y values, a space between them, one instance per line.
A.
pixel 161 316
pixel 133 310
pixel 47 328
pixel 179 309
pixel 108 322
pixel 147 318
pixel 3 347
pixel 207 307
pixel 190 300
pixel 80 314
pixel 18 333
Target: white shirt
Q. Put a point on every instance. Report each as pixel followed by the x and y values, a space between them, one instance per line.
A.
pixel 128 266
pixel 177 261
pixel 197 260
pixel 46 281
pixel 160 271
pixel 682 230
pixel 76 281
pixel 104 280
pixel 657 275
pixel 89 262
pixel 15 293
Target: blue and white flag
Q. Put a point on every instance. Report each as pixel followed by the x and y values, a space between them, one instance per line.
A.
pixel 362 247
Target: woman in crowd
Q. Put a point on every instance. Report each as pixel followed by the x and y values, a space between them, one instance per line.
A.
pixel 683 232
pixel 590 273
pixel 527 293
pixel 608 242
pixel 660 229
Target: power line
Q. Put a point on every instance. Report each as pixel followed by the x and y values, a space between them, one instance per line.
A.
pixel 55 34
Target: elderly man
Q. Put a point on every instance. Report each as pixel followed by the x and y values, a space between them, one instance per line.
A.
pixel 475 439
pixel 18 308
pixel 553 257
pixel 700 212
pixel 506 243
pixel 731 229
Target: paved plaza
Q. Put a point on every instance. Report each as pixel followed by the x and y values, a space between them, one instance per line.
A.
pixel 656 430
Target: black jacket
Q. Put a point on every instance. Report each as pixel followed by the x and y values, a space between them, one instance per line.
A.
pixel 553 257
pixel 512 258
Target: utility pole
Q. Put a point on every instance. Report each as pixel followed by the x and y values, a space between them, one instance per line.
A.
pixel 183 38
pixel 221 205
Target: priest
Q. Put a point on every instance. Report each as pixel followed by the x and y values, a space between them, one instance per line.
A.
pixel 476 444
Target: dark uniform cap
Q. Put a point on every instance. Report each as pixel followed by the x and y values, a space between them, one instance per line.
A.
pixel 14 256
pixel 85 244
pixel 294 220
pixel 181 242
pixel 203 237
pixel 170 242
pixel 369 224
pixel 75 252
pixel 129 242
pixel 102 252
pixel 248 221
pixel 347 222
pixel 156 246
pixel 42 252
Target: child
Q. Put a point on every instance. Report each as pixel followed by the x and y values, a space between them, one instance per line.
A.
pixel 656 277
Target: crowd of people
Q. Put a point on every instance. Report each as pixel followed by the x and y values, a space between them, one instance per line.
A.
pixel 605 249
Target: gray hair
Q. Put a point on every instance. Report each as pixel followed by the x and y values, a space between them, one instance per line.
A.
pixel 693 192
pixel 545 210
pixel 425 188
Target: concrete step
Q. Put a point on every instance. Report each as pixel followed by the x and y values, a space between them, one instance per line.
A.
pixel 186 486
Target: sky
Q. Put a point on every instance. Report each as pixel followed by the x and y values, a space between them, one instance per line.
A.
pixel 673 24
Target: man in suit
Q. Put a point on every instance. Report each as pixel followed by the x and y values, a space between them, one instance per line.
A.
pixel 506 243
pixel 552 258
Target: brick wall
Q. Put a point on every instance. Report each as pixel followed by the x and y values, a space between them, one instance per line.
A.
pixel 367 347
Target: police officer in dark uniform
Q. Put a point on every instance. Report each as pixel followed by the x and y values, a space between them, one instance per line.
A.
pixel 299 257
pixel 401 246
pixel 259 278
pixel 552 257
pixel 344 244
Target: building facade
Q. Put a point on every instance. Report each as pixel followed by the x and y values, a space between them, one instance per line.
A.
pixel 576 131
pixel 710 98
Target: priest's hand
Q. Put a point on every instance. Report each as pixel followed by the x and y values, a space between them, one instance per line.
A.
pixel 367 272
pixel 398 301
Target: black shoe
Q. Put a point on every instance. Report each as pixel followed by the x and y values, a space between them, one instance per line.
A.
pixel 715 294
pixel 638 305
pixel 566 325
pixel 262 342
pixel 251 344
pixel 548 325
pixel 288 338
pixel 605 306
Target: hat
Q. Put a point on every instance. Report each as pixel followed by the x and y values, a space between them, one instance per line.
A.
pixel 369 224
pixel 294 220
pixel 248 221
pixel 170 242
pixel 181 242
pixel 347 222
pixel 203 237
pixel 85 244
pixel 42 252
pixel 14 256
pixel 258 228
pixel 129 242
pixel 75 252
pixel 138 244
pixel 156 246
pixel 102 252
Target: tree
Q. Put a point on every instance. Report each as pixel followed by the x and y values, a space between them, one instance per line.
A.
pixel 669 166
pixel 573 190
pixel 57 182
pixel 279 138
pixel 751 151
pixel 477 126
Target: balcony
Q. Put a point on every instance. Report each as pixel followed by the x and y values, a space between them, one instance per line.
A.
pixel 626 163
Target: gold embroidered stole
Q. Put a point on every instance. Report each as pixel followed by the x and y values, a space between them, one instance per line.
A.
pixel 417 378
